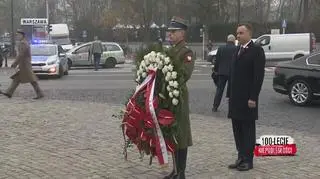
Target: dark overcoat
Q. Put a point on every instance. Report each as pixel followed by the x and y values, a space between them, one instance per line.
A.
pixel 23 62
pixel 246 79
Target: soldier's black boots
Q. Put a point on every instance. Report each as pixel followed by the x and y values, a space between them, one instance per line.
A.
pixel 180 162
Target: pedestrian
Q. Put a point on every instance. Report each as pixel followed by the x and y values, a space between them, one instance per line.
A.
pixel 222 68
pixel 177 33
pixel 246 79
pixel 23 62
pixel 96 50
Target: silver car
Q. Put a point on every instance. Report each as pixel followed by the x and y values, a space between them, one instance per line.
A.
pixel 112 55
pixel 49 60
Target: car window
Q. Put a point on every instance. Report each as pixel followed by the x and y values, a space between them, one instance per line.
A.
pixel 112 48
pixel 43 50
pixel 314 59
pixel 84 49
pixel 265 40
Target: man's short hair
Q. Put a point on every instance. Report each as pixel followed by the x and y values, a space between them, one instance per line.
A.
pixel 248 26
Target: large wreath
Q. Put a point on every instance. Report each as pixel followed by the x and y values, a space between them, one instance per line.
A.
pixel 149 119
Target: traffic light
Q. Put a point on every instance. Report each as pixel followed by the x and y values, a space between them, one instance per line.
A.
pixel 49 28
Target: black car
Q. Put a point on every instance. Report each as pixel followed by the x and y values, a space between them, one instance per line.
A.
pixel 299 79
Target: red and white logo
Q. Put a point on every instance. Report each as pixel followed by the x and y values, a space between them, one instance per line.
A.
pixel 274 145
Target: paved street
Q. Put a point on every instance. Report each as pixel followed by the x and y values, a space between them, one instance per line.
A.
pixel 71 134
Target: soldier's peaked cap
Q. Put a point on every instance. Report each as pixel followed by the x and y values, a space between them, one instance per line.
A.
pixel 177 23
pixel 20 31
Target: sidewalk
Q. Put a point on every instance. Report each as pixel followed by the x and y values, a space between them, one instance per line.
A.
pixel 66 139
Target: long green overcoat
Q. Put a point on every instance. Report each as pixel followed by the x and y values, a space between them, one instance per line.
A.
pixel 186 57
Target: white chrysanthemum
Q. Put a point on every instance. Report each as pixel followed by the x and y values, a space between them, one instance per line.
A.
pixel 170 67
pixel 174 75
pixel 144 74
pixel 175 84
pixel 171 95
pixel 171 83
pixel 176 93
pixel 153 54
pixel 165 69
pixel 167 78
pixel 175 101
pixel 147 61
pixel 168 74
pixel 167 60
pixel 168 88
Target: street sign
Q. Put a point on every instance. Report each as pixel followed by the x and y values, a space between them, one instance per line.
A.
pixel 34 21
pixel 284 24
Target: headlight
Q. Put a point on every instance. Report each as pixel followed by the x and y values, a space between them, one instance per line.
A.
pixel 52 60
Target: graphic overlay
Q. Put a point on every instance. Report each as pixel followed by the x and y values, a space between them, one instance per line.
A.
pixel 275 145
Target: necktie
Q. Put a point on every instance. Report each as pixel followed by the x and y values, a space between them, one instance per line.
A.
pixel 240 51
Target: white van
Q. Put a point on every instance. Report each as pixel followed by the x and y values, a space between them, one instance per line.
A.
pixel 287 46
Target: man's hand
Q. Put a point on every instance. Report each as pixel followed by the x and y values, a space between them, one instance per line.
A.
pixel 252 104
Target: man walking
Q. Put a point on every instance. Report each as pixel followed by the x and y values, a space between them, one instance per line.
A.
pixel 25 73
pixel 177 33
pixel 222 68
pixel 246 79
pixel 96 50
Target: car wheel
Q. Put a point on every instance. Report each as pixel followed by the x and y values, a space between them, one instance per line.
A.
pixel 110 63
pixel 300 93
pixel 69 64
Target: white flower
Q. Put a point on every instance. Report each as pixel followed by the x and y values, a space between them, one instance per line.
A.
pixel 160 66
pixel 169 88
pixel 174 75
pixel 175 84
pixel 158 60
pixel 176 93
pixel 170 67
pixel 144 74
pixel 171 83
pixel 171 95
pixel 169 74
pixel 167 60
pixel 145 57
pixel 167 78
pixel 175 101
pixel 147 61
pixel 165 69
pixel 153 54
pixel 158 54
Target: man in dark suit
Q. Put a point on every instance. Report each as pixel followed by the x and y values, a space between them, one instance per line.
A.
pixel 246 79
pixel 222 68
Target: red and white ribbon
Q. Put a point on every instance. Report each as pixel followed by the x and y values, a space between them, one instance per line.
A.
pixel 161 148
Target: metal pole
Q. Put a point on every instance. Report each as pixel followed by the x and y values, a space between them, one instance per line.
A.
pixel 12 31
pixel 47 10
pixel 203 42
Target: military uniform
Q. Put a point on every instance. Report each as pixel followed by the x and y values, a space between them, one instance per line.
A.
pixel 184 137
pixel 25 73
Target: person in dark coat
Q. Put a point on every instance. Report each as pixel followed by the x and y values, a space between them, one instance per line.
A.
pixel 222 68
pixel 177 32
pixel 246 79
pixel 25 73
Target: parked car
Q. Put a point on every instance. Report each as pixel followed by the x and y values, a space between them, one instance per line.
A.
pixel 299 79
pixel 287 46
pixel 112 55
pixel 49 60
pixel 212 55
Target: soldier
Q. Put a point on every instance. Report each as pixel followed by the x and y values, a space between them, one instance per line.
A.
pixel 177 32
pixel 25 73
